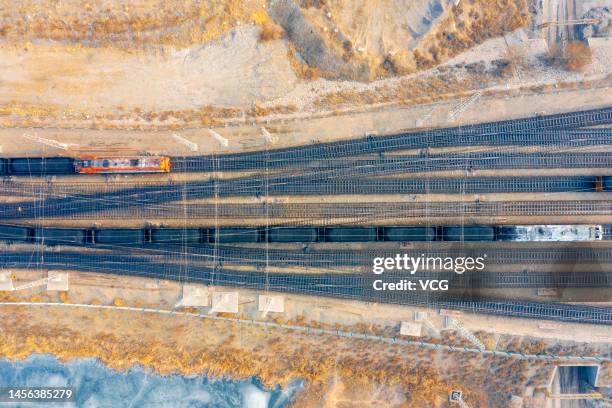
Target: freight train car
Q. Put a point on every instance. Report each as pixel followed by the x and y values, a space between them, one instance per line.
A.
pixel 292 234
pixel 59 236
pixel 176 236
pixel 468 233
pixel 606 183
pixel 113 236
pixel 409 234
pixel 350 234
pixel 234 235
pixel 243 235
pixel 551 233
pixel 36 166
pixel 14 233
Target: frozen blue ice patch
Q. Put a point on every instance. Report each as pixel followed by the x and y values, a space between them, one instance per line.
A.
pixel 97 386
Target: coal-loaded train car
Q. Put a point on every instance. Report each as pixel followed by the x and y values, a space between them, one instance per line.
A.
pixel 36 166
pixel 176 236
pixel 350 234
pixel 607 183
pixel 409 234
pixel 234 235
pixel 292 234
pixel 62 236
pixel 122 236
pixel 14 233
pixel 468 233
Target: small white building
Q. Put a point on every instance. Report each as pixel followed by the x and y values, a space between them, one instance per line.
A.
pixel 411 329
pixel 224 302
pixel 194 296
pixel 275 304
pixel 58 281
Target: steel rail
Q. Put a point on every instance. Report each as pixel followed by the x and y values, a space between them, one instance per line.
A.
pixel 327 213
pixel 176 265
pixel 348 286
pixel 328 179
pixel 525 131
pixel 256 186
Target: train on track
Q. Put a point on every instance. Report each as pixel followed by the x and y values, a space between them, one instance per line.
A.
pixel 568 129
pixel 352 234
pixel 139 164
pixel 41 166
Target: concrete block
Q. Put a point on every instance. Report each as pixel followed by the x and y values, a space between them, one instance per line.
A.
pixel 6 282
pixel 449 312
pixel 220 139
pixel 275 304
pixel 548 292
pixel 224 302
pixel 185 142
pixel 419 316
pixel 194 296
pixel 449 323
pixel 548 326
pixel 411 329
pixel 58 281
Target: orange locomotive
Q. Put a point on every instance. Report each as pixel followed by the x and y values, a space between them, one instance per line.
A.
pixel 136 164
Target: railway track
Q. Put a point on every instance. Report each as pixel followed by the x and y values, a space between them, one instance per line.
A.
pixel 547 130
pixel 336 168
pixel 150 264
pixel 65 198
pixel 559 129
pixel 305 213
pixel 348 286
pixel 269 160
pixel 338 258
pixel 468 161
pixel 247 187
pixel 326 181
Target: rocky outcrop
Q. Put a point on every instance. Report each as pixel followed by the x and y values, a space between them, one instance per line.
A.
pixel 312 47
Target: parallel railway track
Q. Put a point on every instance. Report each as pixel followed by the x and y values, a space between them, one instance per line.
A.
pixel 348 286
pixel 546 130
pixel 251 186
pixel 336 168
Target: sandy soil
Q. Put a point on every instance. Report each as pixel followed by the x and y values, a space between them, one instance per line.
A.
pixel 79 78
pixel 141 67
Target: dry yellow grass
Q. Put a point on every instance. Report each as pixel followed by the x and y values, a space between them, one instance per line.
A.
pixel 301 69
pixel 269 29
pixel 137 25
pixel 576 56
pixel 469 24
pixel 193 346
